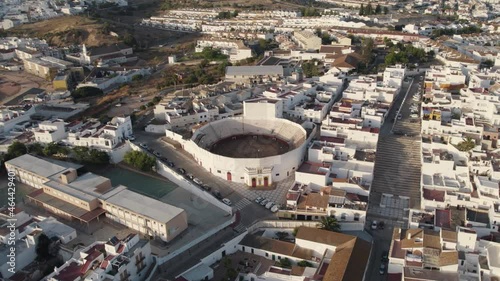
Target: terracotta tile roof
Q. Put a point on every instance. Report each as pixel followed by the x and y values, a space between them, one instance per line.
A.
pixel 448 258
pixel 317 200
pixel 410 238
pixel 347 61
pixel 443 218
pixel 297 270
pixel 449 236
pixel 432 239
pixel 267 244
pixel 322 236
pixel 349 261
pixel 434 195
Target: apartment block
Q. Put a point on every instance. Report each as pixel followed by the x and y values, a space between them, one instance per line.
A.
pixel 307 40
pixel 146 215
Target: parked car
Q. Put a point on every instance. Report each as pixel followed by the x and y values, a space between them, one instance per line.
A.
pixel 217 194
pixel 269 204
pixel 198 181
pixel 143 145
pixel 258 199
pixel 131 137
pixel 226 201
pixel 190 176
pixel 206 187
pixel 171 164
pixel 374 225
pixel 414 116
pixel 400 116
pixel 157 154
pixel 381 270
pixel 264 202
pixel 182 171
pixel 275 208
pixel 385 257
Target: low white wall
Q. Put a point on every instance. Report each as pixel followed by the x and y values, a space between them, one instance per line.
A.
pixel 155 129
pixel 194 242
pixel 344 226
pixel 179 180
pixel 116 155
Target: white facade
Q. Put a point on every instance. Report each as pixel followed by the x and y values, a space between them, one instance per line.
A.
pixel 10 117
pixel 247 170
pixel 50 131
pixel 115 260
pixel 307 40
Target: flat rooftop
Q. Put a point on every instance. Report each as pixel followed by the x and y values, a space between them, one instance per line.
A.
pixel 144 205
pixel 41 167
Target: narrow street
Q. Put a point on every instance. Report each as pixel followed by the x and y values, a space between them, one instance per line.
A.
pixel 397 171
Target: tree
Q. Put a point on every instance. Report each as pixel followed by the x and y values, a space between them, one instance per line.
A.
pixel 42 248
pixel 129 40
pixel 329 223
pixel 369 9
pixel 295 230
pixel 140 160
pixel 362 10
pixel 92 156
pixel 137 77
pixel 466 145
pixel 50 149
pixel 367 49
pixel 488 63
pixel 386 10
pixel 80 153
pixel 35 148
pixel 84 92
pixel 286 263
pixel 304 263
pixel 15 150
pixel 378 9
pixel 310 69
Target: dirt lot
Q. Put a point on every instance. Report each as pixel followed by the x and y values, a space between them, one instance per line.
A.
pixel 67 30
pixel 13 84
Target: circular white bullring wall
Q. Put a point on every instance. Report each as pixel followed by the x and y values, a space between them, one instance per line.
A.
pixel 252 151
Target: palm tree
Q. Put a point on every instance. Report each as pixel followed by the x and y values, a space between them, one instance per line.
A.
pixel 466 145
pixel 329 223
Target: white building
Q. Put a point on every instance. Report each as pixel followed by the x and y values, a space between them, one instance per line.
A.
pixel 12 116
pixel 307 40
pixel 129 258
pixel 50 131
pixel 235 49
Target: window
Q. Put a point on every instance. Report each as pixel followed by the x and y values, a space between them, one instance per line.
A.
pixel 243 248
pixel 218 171
pixel 356 217
pixel 343 216
pixel 277 175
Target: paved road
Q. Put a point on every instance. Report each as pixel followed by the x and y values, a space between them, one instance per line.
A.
pixel 397 172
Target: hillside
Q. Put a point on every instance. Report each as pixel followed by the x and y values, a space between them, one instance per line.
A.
pixel 67 30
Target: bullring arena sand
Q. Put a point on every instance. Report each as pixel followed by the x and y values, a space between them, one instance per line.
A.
pixel 250 146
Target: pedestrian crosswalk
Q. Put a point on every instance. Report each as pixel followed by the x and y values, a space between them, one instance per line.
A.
pixel 242 204
pixel 240 228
